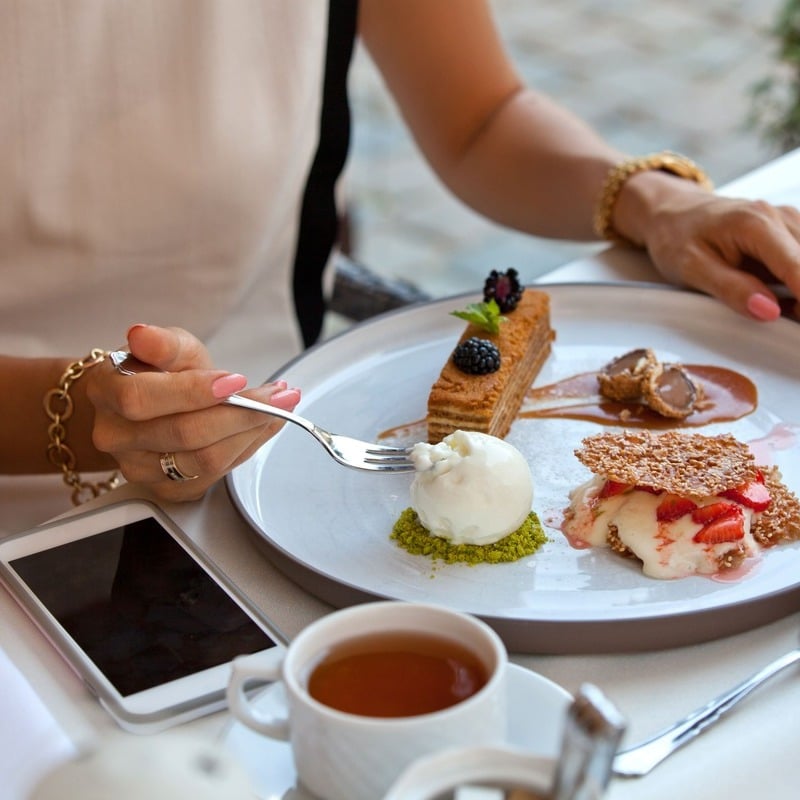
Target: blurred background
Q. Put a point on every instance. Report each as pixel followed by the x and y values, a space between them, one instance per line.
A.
pixel 648 74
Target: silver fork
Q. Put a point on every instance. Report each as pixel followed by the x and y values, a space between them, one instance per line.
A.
pixel 639 760
pixel 344 449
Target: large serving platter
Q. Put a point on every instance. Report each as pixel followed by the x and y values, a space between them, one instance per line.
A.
pixel 328 526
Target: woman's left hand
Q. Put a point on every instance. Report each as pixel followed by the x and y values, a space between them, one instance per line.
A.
pixel 170 429
pixel 736 250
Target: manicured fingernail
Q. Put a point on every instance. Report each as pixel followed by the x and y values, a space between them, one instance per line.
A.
pixel 763 307
pixel 228 385
pixel 286 399
pixel 135 327
pixel 279 385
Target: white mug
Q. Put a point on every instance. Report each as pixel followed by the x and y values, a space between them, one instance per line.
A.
pixel 348 756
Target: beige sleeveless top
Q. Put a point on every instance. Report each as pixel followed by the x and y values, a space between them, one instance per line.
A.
pixel 154 157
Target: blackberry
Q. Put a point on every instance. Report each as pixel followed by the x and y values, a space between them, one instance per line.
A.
pixel 477 356
pixel 504 288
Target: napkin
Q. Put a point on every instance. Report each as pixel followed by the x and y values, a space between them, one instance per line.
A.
pixel 31 740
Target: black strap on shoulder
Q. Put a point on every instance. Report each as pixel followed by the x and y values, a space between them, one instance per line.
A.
pixel 319 218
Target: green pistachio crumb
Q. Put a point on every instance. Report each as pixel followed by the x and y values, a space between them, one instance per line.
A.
pixel 413 537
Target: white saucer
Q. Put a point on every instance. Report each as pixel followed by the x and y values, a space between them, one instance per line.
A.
pixel 537 707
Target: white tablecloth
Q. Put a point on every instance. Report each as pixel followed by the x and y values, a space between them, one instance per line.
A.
pixel 45 709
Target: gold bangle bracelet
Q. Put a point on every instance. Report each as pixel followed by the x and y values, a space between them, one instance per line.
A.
pixel 666 161
pixel 58 406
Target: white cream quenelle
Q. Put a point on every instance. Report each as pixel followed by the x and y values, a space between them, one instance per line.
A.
pixel 668 548
pixel 471 488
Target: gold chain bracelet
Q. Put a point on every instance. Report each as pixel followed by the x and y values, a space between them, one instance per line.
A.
pixel 666 161
pixel 58 406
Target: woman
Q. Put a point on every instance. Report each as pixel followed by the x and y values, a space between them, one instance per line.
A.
pixel 173 162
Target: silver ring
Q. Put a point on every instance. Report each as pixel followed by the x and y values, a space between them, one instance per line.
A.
pixel 170 468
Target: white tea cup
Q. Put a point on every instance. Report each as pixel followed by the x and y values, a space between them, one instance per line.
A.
pixel 356 754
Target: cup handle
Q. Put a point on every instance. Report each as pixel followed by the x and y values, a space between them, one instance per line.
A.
pixel 245 669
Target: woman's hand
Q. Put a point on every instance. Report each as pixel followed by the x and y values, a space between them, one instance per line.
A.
pixel 735 250
pixel 151 421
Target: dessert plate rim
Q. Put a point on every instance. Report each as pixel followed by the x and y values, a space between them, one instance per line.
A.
pixel 328 528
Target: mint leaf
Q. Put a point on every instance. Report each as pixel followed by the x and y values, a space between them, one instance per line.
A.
pixel 485 315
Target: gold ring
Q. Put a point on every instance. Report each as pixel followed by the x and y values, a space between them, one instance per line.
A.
pixel 170 468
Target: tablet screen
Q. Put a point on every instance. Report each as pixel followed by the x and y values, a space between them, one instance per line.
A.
pixel 140 606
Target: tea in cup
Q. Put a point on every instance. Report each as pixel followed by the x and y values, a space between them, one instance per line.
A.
pixel 374 687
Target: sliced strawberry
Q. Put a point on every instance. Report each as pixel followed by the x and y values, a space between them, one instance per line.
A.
pixel 703 514
pixel 754 495
pixel 726 528
pixel 673 507
pixel 612 488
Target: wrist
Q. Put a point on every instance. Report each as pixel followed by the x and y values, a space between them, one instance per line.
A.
pixel 59 406
pixel 636 187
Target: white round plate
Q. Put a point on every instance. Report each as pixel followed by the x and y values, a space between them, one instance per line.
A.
pixel 537 712
pixel 328 526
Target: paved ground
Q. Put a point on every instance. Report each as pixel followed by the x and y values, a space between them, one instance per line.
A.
pixel 648 74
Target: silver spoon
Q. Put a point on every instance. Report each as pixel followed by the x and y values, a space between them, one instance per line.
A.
pixel 641 759
pixel 592 732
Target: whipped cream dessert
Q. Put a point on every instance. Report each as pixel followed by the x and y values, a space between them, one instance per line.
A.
pixel 672 536
pixel 471 488
pixel 682 504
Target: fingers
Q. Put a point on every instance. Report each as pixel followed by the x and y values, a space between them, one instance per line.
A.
pixel 737 251
pixel 742 291
pixel 183 378
pixel 206 444
pixel 169 423
pixel 157 395
pixel 208 464
pixel 192 429
pixel 770 237
pixel 196 429
pixel 169 349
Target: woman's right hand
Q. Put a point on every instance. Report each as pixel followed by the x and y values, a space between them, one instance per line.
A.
pixel 150 421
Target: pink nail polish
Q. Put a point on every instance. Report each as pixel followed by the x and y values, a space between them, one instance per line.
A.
pixel 763 307
pixel 227 385
pixel 286 399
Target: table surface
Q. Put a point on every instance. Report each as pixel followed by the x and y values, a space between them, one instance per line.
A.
pixel 46 713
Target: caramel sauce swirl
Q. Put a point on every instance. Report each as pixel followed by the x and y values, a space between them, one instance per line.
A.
pixel 727 396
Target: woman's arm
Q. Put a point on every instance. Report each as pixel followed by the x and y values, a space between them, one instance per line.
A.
pixel 519 158
pixel 127 422
pixel 509 152
pixel 24 422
